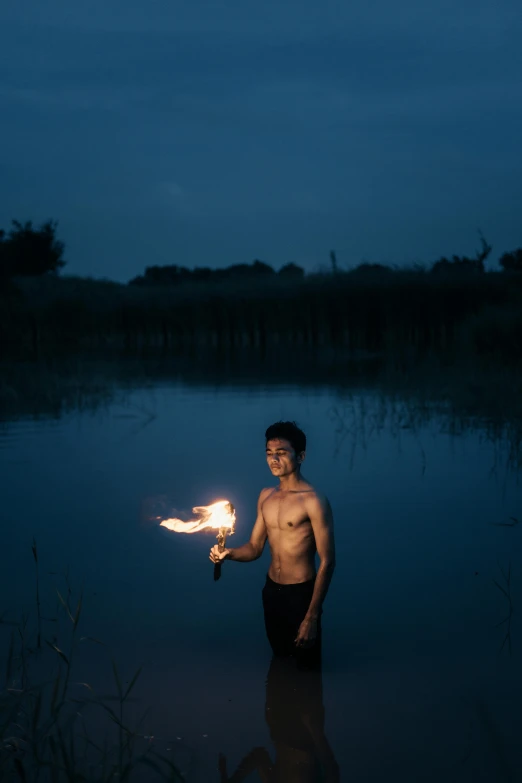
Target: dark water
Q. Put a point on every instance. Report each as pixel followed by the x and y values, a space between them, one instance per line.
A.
pixel 414 687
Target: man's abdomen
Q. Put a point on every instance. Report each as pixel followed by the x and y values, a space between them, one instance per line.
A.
pixel 290 566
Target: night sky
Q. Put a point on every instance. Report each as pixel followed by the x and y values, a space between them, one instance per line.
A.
pixel 211 133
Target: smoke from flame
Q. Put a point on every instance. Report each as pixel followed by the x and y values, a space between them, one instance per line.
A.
pixel 220 514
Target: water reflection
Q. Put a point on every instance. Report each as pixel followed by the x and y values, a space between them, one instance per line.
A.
pixel 295 716
pixel 464 397
pixel 417 472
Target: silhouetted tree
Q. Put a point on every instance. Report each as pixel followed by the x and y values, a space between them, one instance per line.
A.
pixel 371 269
pixel 4 269
pixel 30 252
pixel 484 252
pixel 512 262
pixel 291 272
pixel 333 261
pixel 463 263
pixel 241 271
pixel 262 269
pixel 174 275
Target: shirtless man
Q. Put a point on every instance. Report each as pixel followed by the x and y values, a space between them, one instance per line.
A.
pixel 297 521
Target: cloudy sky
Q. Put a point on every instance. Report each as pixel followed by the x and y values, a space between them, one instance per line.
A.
pixel 200 132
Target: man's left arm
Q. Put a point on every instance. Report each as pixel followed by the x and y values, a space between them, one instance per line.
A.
pixel 321 518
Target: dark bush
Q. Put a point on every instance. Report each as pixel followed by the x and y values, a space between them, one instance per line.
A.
pixel 30 252
pixel 512 262
pixel 291 272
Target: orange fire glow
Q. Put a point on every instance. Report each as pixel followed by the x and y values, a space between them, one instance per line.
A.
pixel 219 516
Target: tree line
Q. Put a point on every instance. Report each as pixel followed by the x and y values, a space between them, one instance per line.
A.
pixel 174 275
pixel 28 251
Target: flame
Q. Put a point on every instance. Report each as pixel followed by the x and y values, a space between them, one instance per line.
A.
pixel 220 515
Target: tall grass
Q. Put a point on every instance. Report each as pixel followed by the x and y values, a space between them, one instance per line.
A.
pixel 376 313
pixel 38 605
pixel 506 592
pixel 49 734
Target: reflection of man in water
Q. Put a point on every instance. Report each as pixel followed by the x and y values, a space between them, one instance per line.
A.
pixel 297 520
pixel 295 716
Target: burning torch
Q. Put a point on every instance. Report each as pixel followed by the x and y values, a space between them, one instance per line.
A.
pixel 222 540
pixel 220 516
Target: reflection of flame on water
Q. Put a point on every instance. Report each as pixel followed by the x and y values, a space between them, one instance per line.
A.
pixel 220 515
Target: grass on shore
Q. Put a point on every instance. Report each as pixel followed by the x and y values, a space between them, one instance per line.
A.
pixel 47 732
pixel 408 309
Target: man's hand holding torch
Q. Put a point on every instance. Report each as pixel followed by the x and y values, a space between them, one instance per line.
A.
pixel 220 516
pixel 218 553
pixel 220 548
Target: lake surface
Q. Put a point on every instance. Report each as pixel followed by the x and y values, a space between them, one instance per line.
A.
pixel 415 686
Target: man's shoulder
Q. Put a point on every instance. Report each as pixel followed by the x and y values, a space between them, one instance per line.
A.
pixel 265 493
pixel 316 497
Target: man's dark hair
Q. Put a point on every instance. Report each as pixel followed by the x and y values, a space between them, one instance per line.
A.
pixel 290 432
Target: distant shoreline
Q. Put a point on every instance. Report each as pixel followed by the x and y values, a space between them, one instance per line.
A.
pixel 463 314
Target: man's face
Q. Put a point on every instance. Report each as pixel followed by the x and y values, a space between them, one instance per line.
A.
pixel 281 457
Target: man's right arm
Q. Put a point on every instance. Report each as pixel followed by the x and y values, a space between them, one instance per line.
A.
pixel 254 548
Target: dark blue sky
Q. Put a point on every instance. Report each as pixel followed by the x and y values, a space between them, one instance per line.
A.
pixel 211 133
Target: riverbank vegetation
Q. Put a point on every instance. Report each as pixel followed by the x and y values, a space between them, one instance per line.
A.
pixel 454 307
pixel 54 728
pixel 402 311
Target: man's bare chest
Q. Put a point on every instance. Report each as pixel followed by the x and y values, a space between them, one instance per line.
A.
pixel 285 513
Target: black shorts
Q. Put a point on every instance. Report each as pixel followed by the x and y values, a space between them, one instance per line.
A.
pixel 285 607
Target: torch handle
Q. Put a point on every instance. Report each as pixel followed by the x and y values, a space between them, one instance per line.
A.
pixel 222 537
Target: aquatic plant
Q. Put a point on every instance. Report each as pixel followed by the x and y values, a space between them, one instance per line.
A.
pixel 47 732
pixel 506 592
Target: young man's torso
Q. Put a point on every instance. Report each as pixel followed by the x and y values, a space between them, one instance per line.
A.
pixel 290 534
